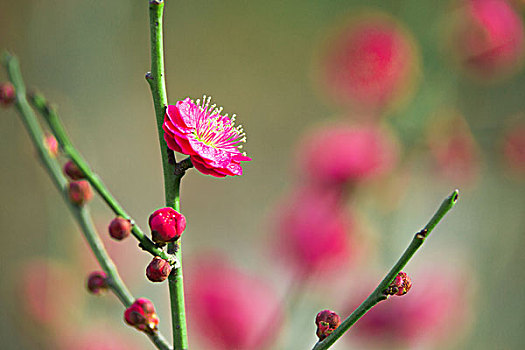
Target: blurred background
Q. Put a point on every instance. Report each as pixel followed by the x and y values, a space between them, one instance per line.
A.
pixel 361 116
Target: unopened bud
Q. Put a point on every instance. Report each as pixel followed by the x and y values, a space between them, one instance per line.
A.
pixel 80 192
pixel 73 171
pixel 158 269
pixel 141 315
pixel 51 144
pixel 97 282
pixel 166 225
pixel 400 286
pixel 327 321
pixel 7 94
pixel 119 228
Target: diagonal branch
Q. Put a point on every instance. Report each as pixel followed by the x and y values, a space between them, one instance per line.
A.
pixel 81 214
pixel 378 294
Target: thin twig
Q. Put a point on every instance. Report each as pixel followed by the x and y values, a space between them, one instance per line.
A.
pixel 378 294
pixel 55 124
pixel 81 214
pixel 157 83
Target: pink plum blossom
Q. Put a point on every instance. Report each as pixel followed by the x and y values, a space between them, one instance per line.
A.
pixel 340 153
pixel 314 232
pixel 514 148
pixel 489 37
pixel 210 139
pixel 370 62
pixel 231 309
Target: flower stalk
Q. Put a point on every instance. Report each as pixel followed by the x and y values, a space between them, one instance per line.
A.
pixel 172 179
pixel 80 213
pixel 379 294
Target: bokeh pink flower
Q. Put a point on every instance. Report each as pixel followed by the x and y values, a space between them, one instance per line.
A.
pixel 231 309
pixel 514 148
pixel 489 37
pixel 315 234
pixel 210 139
pixel 342 153
pixel 370 62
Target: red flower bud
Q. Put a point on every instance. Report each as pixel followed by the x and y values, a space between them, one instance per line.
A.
pixel 400 286
pixel 51 145
pixel 158 269
pixel 73 171
pixel 141 315
pixel 119 228
pixel 80 192
pixel 97 282
pixel 7 94
pixel 166 225
pixel 327 321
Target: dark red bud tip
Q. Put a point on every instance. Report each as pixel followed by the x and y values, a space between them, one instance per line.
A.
pixel 51 144
pixel 327 321
pixel 97 282
pixel 400 286
pixel 80 192
pixel 141 315
pixel 7 94
pixel 166 225
pixel 158 269
pixel 73 171
pixel 119 228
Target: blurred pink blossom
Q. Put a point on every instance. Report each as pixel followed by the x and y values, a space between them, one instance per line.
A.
pixel 340 153
pixel 514 148
pixel 370 62
pixel 453 148
pixel 231 309
pixel 314 233
pixel 489 37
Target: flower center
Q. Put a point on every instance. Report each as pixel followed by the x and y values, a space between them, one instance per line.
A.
pixel 216 130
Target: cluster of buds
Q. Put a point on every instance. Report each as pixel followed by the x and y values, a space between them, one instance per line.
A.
pixel 166 225
pixel 141 315
pixel 327 321
pixel 400 286
pixel 119 228
pixel 158 270
pixel 7 94
pixel 97 282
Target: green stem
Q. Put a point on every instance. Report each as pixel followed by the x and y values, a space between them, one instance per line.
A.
pixel 378 294
pixel 50 115
pixel 156 80
pixel 81 214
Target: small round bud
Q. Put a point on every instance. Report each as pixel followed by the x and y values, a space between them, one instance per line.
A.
pixel 51 144
pixel 166 225
pixel 97 282
pixel 7 94
pixel 400 286
pixel 73 171
pixel 80 192
pixel 158 269
pixel 119 228
pixel 327 321
pixel 141 315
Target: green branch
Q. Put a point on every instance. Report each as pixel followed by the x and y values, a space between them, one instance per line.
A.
pixel 81 214
pixel 51 117
pixel 379 293
pixel 157 83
